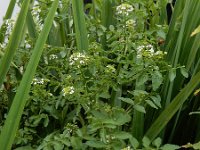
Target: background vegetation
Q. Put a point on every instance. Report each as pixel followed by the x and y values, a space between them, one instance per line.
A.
pixel 109 74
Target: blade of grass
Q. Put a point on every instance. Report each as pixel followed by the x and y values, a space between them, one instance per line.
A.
pixel 172 108
pixel 31 26
pixel 7 16
pixel 14 42
pixel 107 17
pixel 12 122
pixel 163 12
pixel 80 25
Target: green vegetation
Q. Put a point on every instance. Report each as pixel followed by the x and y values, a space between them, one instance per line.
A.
pixel 109 74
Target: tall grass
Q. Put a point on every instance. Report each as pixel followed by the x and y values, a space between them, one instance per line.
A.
pixel 178 99
pixel 13 42
pixel 182 50
pixel 12 121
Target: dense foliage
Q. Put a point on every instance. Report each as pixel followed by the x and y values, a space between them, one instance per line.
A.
pixel 104 95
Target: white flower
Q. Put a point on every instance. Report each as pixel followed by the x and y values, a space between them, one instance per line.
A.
pixel 130 23
pixel 39 81
pixel 79 58
pixel 68 90
pixel 148 48
pixel 53 56
pixel 159 53
pixel 124 9
pixel 50 94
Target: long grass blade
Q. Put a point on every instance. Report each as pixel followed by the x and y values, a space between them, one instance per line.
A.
pixel 12 122
pixel 14 42
pixel 107 17
pixel 80 25
pixel 7 16
pixel 31 26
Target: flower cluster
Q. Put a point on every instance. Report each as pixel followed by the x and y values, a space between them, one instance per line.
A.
pixel 148 50
pixel 130 23
pixel 39 81
pixel 68 90
pixel 78 58
pixel 53 56
pixel 124 9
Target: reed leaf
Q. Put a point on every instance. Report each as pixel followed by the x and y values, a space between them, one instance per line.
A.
pixel 7 16
pixel 12 122
pixel 80 25
pixel 31 26
pixel 14 42
pixel 172 108
pixel 182 50
pixel 107 17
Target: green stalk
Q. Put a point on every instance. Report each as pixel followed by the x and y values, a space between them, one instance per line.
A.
pixel 12 122
pixel 138 117
pixel 80 25
pixel 172 108
pixel 14 41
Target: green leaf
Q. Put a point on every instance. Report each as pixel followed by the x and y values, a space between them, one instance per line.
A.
pixel 150 103
pixel 169 147
pixel 156 99
pixel 119 117
pixel 156 80
pixel 76 142
pixel 140 108
pixel 196 145
pixel 172 74
pixel 96 144
pixel 122 135
pixel 146 142
pixel 157 142
pixel 127 100
pixel 184 72
pixel 105 95
pixel 142 79
pixel 134 142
